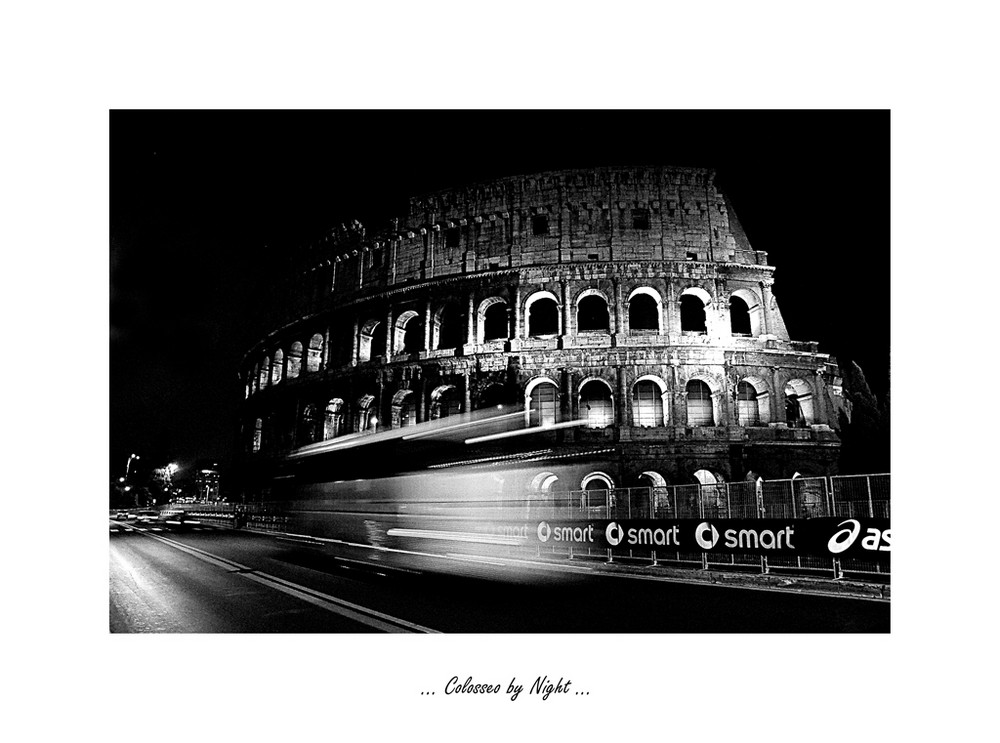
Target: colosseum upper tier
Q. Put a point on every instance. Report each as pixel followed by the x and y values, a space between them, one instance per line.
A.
pixel 629 298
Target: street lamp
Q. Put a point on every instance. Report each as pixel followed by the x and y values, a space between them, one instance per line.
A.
pixel 375 424
pixel 129 463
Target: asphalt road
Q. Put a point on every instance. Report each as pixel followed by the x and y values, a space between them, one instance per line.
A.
pixel 200 579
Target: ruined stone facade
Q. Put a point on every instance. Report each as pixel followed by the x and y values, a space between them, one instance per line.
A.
pixel 627 297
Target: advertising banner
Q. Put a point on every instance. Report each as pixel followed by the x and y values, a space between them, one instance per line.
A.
pixel 825 537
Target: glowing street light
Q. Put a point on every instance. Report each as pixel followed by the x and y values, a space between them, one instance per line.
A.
pixel 375 424
pixel 129 463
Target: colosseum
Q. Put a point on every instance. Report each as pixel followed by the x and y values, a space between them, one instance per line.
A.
pixel 626 298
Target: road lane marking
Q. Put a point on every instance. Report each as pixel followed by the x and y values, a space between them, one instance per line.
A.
pixel 361 614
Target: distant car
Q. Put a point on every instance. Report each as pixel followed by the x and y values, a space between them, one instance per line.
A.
pixel 148 515
pixel 121 515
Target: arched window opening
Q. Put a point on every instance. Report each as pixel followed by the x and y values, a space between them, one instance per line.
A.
pixel 364 415
pixel 449 328
pixel 309 425
pixel 404 409
pixel 693 314
pixel 699 404
pixel 258 429
pixel 747 408
pixel 333 420
pixel 596 406
pixel 799 411
pixel 493 396
pixel 544 481
pixel 315 353
pixel 647 404
pixel 543 404
pixel 278 367
pixel 495 322
pixel 592 315
pixel 543 318
pixel 409 333
pixel 371 340
pixel 739 317
pixel 445 402
pixel 294 360
pixel 265 372
pixel 597 495
pixel 657 503
pixel 643 313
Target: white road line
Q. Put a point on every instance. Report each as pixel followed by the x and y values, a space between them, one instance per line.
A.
pixel 362 614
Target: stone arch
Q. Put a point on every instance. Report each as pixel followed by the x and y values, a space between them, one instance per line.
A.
pixel 800 409
pixel 448 329
pixel 596 400
pixel 371 340
pixel 657 503
pixel 541 407
pixel 544 321
pixel 491 320
pixel 265 372
pixel 364 413
pixel 278 367
pixel 492 396
pixel 644 310
pixel 445 401
pixel 753 310
pixel 701 403
pixel 309 425
pixel 592 313
pixel 404 409
pixel 333 418
pixel 294 360
pixel 543 481
pixel 599 477
pixel 258 433
pixel 315 353
pixel 756 407
pixel 650 406
pixel 409 332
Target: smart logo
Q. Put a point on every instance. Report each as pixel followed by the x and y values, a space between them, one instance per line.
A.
pixel 873 541
pixel 614 534
pixel 544 530
pixel 699 535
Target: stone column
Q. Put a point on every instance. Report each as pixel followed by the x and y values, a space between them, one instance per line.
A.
pixel 471 338
pixel 468 391
pixel 516 294
pixel 565 309
pixel 390 334
pixel 765 310
pixel 617 328
pixel 777 398
pixel 355 341
pixel 427 327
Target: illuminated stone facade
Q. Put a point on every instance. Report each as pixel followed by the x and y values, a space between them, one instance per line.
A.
pixel 626 297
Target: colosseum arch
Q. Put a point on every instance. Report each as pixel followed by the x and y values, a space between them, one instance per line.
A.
pixel 542 316
pixel 644 310
pixel 409 332
pixel 448 329
pixel 745 313
pixel 278 367
pixel 404 409
pixel 492 396
pixel 694 302
pixel 541 402
pixel 649 402
pixel 592 314
pixel 753 402
pixel 364 413
pixel 491 320
pixel 799 403
pixel 543 482
pixel 294 360
pixel 655 503
pixel 333 418
pixel 371 340
pixel 702 402
pixel 309 425
pixel 265 372
pixel 596 401
pixel 597 480
pixel 445 401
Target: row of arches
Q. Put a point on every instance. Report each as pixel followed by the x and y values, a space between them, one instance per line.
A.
pixel 450 326
pixel 649 401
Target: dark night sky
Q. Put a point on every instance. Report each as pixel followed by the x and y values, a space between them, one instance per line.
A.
pixel 196 197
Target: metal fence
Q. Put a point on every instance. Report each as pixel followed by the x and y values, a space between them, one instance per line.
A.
pixel 799 498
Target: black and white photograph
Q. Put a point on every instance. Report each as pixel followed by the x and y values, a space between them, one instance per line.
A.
pixel 443 371
pixel 499 371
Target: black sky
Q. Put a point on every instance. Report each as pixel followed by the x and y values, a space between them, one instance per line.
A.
pixel 203 202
